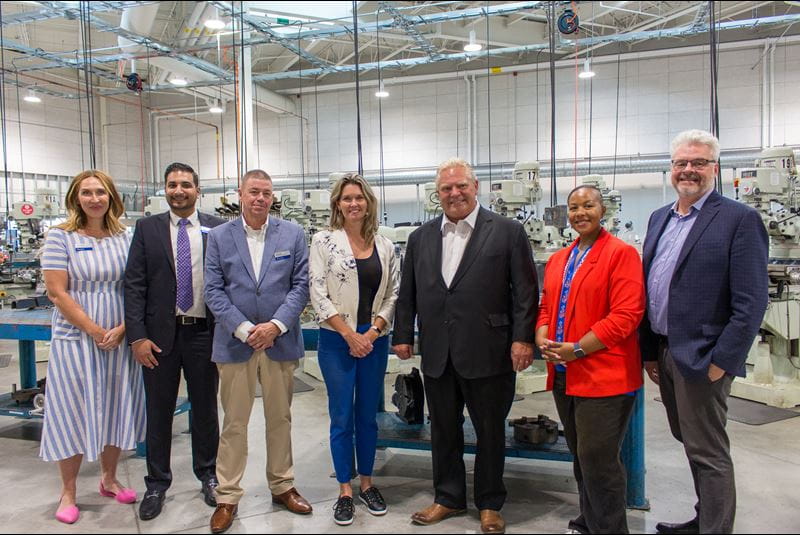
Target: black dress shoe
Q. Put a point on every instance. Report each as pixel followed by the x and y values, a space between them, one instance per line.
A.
pixel 209 488
pixel 151 504
pixel 692 526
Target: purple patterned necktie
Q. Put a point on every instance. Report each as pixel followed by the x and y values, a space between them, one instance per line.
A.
pixel 185 298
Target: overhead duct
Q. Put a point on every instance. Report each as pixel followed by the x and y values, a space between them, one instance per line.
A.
pixel 139 20
pixel 626 165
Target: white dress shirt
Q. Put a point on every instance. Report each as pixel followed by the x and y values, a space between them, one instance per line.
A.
pixel 455 237
pixel 198 309
pixel 255 243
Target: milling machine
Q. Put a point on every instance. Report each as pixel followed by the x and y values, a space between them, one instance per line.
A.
pixel 611 199
pixel 773 189
pixel 310 209
pixel 518 198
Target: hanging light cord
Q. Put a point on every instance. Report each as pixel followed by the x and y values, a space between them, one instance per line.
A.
pixel 552 39
pixel 80 107
pixel 3 112
pixel 385 217
pixel 358 88
pixel 316 127
pixel 616 122
pixel 19 129
pixel 714 59
pixel 300 98
pixel 488 96
pixel 85 12
pixel 243 100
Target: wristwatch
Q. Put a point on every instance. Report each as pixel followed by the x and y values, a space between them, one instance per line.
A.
pixel 375 328
pixel 579 353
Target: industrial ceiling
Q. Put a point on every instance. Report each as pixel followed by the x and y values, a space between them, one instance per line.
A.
pixel 296 44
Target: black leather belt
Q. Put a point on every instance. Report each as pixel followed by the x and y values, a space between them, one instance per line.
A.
pixel 190 320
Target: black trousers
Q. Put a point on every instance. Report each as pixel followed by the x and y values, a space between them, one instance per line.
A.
pixel 594 429
pixel 488 401
pixel 698 414
pixel 192 353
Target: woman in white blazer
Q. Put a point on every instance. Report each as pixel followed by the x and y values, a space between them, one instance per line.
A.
pixel 354 280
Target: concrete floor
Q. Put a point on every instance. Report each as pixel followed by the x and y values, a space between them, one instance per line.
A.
pixel 541 494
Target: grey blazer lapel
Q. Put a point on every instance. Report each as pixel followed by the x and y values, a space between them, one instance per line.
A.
pixel 483 227
pixel 240 239
pixel 707 214
pixel 165 236
pixel 271 241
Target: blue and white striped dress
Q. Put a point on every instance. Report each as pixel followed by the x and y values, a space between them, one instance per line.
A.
pixel 93 397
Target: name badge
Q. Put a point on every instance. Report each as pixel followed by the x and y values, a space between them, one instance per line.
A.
pixel 84 248
pixel 282 255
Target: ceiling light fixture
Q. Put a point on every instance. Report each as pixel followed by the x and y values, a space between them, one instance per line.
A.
pixel 177 80
pixel 381 92
pixel 214 23
pixel 31 97
pixel 472 46
pixel 587 71
pixel 216 107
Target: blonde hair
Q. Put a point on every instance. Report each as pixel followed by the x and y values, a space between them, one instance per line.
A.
pixel 369 227
pixel 76 218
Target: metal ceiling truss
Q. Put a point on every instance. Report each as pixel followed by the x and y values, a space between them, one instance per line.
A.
pixel 260 26
pixel 683 31
pixel 269 35
pixel 59 61
pixel 433 18
pixel 149 42
pixel 45 14
pixel 409 27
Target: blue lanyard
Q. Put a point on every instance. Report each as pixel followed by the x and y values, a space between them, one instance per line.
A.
pixel 573 264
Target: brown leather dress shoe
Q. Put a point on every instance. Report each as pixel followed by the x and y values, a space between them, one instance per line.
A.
pixel 435 513
pixel 492 521
pixel 292 500
pixel 222 518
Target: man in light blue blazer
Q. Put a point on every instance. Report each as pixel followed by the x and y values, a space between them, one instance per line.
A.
pixel 705 261
pixel 256 285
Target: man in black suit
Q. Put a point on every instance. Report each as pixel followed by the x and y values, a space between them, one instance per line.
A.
pixel 169 329
pixel 469 280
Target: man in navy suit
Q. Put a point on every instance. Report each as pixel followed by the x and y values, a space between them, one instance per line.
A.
pixel 257 287
pixel 169 329
pixel 705 262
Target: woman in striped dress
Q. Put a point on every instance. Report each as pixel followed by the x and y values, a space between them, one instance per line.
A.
pixel 94 406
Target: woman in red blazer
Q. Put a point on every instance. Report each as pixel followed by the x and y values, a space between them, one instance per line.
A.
pixel 591 306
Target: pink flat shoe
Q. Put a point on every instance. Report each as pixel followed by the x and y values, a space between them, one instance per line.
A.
pixel 123 496
pixel 68 515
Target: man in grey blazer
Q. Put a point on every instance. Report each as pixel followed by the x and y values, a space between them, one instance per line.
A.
pixel 470 283
pixel 256 287
pixel 705 261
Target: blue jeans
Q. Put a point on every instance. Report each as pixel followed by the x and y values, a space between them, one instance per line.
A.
pixel 355 387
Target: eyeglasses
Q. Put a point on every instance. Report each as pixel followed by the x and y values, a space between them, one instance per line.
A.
pixel 699 163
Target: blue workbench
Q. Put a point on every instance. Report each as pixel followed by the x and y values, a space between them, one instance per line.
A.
pixel 28 326
pixel 394 433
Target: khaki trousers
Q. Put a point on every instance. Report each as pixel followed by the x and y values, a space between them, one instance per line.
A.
pixel 237 393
